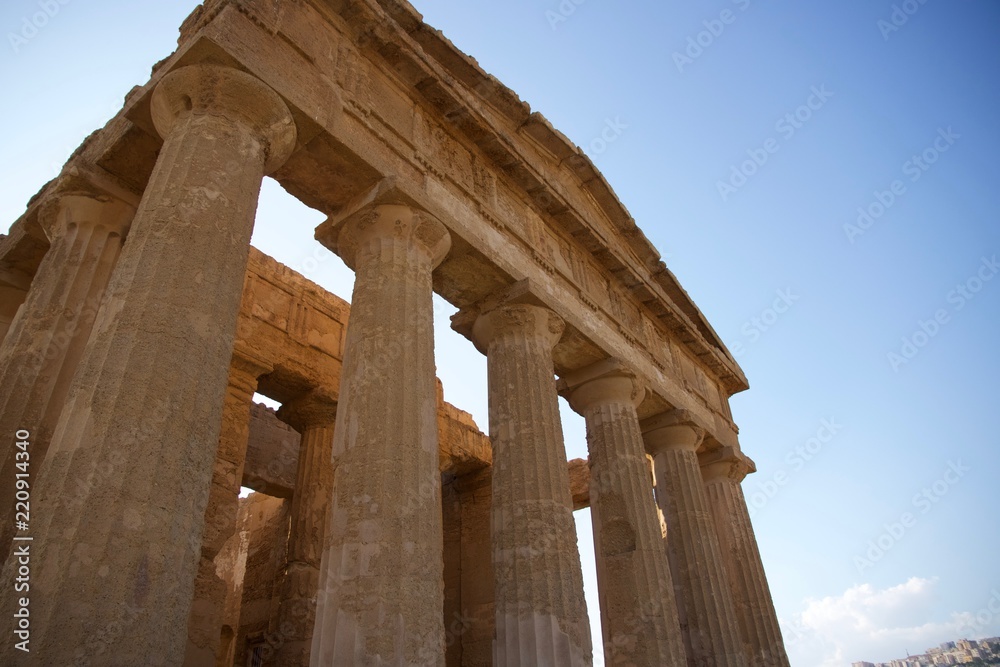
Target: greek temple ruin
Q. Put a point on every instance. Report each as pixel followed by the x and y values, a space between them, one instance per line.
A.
pixel 137 325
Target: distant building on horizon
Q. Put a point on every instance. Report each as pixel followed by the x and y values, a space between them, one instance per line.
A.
pixel 958 652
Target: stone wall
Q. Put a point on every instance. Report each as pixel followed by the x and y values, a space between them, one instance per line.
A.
pixel 264 522
pixel 272 454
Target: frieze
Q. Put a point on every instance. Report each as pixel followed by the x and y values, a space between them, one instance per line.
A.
pixel 499 203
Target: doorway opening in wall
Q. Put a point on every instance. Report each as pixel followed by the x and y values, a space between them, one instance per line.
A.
pixel 255 653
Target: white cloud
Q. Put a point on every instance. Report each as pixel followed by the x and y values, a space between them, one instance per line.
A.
pixel 864 623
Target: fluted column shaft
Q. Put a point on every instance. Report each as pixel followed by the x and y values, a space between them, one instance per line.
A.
pixel 45 343
pixel 638 610
pixel 752 598
pixel 708 618
pixel 313 416
pixel 381 590
pixel 122 500
pixel 541 617
pixel 205 619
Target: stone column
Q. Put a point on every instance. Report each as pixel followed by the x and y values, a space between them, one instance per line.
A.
pixel 454 619
pixel 44 345
pixel 708 617
pixel 638 610
pixel 381 589
pixel 121 503
pixel 723 472
pixel 541 617
pixel 313 416
pixel 468 569
pixel 205 620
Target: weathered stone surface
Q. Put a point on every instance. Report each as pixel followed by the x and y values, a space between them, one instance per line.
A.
pixel 638 610
pixel 272 454
pixel 313 415
pixel 356 108
pixel 294 324
pixel 44 346
pixel 141 421
pixel 541 617
pixel 231 568
pixel 263 528
pixel 381 591
pixel 454 622
pixel 723 471
pixel 11 298
pixel 579 483
pixel 207 606
pixel 463 449
pixel 273 450
pixel 473 629
pixel 707 613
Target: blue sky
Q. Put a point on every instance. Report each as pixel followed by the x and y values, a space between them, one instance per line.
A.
pixel 777 242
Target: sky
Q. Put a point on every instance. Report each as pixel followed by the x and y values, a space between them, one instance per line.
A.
pixel 822 179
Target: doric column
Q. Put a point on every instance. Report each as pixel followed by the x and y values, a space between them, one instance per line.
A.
pixel 381 592
pixel 638 610
pixel 541 617
pixel 44 345
pixel 708 618
pixel 723 471
pixel 122 500
pixel 468 614
pixel 205 620
pixel 313 416
pixel 451 506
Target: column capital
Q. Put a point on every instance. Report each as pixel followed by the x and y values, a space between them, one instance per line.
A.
pixel 78 208
pixel 215 90
pixel 725 463
pixel 538 590
pixel 607 381
pixel 350 235
pixel 315 408
pixel 672 430
pixel 517 319
pixel 522 293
